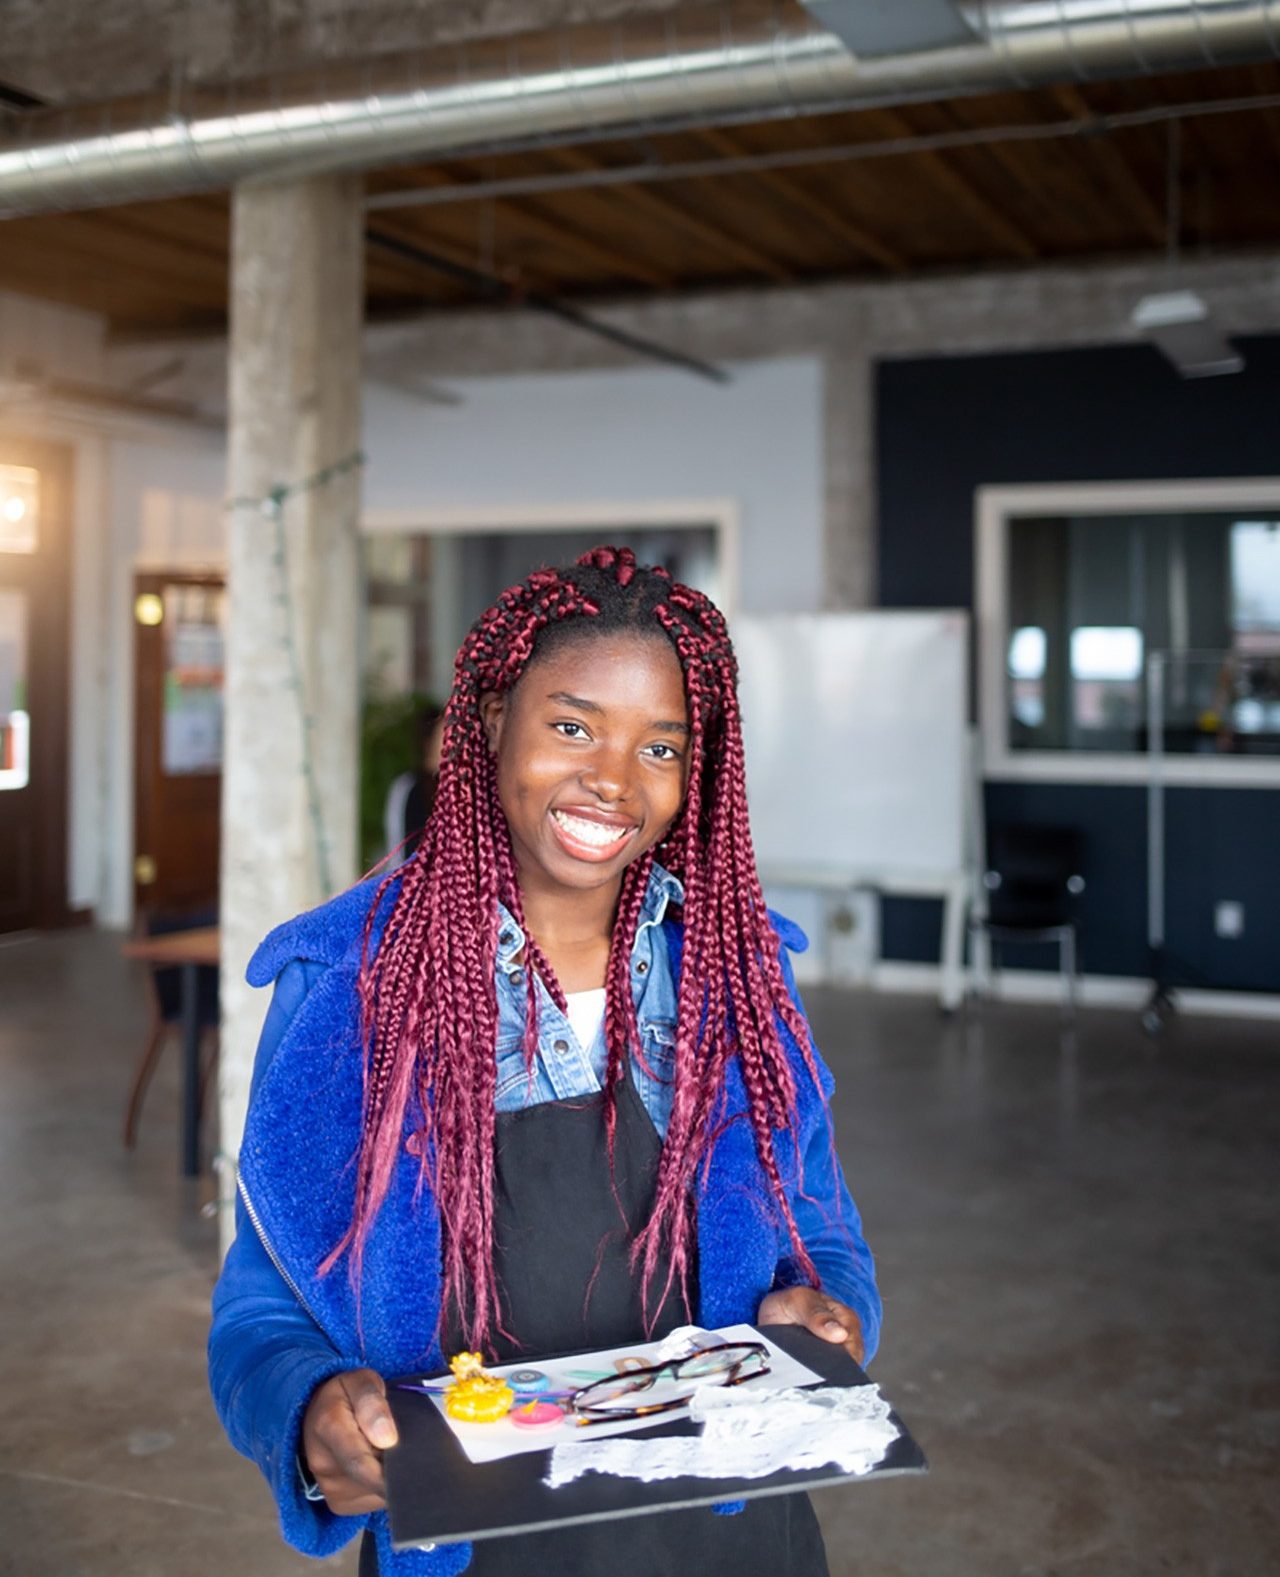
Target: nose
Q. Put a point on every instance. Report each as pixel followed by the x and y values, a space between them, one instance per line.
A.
pixel 607 775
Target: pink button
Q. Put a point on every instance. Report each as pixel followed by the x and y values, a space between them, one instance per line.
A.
pixel 536 1415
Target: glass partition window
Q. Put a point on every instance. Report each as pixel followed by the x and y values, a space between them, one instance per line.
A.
pixel 1255 585
pixel 19 509
pixel 15 724
pixel 1090 596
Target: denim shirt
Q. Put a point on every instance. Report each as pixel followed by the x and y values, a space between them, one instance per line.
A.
pixel 563 1069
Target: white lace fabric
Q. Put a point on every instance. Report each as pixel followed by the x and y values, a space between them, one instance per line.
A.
pixel 745 1435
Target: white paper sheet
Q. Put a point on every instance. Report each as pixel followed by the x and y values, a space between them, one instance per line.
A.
pixel 492 1442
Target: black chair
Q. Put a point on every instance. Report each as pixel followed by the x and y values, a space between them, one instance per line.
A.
pixel 1031 885
pixel 166 1010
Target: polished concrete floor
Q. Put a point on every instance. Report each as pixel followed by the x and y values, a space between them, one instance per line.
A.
pixel 1079 1253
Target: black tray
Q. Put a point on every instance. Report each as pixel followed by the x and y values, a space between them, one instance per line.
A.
pixel 436 1496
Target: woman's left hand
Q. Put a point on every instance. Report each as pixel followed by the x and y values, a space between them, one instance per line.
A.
pixel 824 1316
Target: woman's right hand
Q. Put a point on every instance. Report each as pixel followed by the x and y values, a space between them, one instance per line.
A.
pixel 345 1429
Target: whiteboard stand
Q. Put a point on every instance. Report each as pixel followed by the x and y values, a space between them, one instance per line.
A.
pixel 953 887
pixel 980 974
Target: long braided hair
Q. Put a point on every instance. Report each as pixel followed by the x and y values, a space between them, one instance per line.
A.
pixel 427 992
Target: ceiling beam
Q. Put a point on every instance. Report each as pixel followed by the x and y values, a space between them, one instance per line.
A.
pixel 1108 159
pixel 463 258
pixel 122 239
pixel 535 216
pixel 33 277
pixel 492 288
pixel 962 190
pixel 66 245
pixel 835 223
pixel 666 210
pixel 1033 206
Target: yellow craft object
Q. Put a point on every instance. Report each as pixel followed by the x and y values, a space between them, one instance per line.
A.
pixel 476 1397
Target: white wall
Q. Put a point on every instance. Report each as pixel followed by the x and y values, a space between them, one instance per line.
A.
pixel 616 437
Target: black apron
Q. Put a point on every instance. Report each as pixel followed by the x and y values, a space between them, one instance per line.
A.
pixel 562 1233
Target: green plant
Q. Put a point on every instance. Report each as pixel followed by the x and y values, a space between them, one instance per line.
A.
pixel 388 747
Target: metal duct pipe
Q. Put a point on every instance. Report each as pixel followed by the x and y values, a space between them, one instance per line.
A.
pixel 728 73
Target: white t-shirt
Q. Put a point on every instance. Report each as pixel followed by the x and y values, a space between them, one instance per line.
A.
pixel 586 1014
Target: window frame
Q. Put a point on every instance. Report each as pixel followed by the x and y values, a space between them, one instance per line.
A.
pixel 994 508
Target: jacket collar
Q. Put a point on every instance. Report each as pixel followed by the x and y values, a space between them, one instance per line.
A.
pixel 663 890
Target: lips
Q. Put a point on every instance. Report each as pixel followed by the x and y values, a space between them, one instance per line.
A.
pixel 591 834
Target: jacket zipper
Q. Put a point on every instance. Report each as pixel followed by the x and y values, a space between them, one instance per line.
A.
pixel 288 1280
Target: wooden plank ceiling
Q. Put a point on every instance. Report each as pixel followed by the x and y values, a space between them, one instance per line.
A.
pixel 161 268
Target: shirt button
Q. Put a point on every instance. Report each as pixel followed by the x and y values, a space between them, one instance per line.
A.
pixel 560 1045
pixel 517 975
pixel 506 938
pixel 642 968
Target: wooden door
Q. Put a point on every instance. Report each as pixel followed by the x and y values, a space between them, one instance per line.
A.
pixel 35 552
pixel 179 626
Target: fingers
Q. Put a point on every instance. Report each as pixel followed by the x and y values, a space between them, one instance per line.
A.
pixel 825 1316
pixel 368 1397
pixel 836 1322
pixel 347 1423
pixel 854 1343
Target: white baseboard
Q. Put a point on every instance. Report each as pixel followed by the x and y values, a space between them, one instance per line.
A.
pixel 1111 991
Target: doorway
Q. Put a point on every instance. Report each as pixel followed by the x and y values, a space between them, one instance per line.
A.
pixel 179 622
pixel 35 553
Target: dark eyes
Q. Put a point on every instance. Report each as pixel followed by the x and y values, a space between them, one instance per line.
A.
pixel 658 751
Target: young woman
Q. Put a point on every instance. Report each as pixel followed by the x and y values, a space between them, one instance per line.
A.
pixel 548 1087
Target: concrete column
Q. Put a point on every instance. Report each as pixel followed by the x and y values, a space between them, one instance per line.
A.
pixel 290 773
pixel 849 546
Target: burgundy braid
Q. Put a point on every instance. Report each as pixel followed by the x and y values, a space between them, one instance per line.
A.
pixel 427 992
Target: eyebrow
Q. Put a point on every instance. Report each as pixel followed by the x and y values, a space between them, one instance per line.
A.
pixel 665 726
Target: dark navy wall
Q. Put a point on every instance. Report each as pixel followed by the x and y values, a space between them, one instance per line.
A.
pixel 948 425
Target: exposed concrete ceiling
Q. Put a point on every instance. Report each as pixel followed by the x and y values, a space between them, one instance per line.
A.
pixel 1056 169
pixel 65 52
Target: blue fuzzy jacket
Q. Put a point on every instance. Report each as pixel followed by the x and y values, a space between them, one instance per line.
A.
pixel 280 1330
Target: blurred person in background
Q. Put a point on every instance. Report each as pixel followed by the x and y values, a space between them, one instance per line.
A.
pixel 412 794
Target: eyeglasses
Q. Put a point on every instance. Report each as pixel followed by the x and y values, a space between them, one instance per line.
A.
pixel 666 1386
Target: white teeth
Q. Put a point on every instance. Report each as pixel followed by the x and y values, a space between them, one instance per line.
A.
pixel 593 832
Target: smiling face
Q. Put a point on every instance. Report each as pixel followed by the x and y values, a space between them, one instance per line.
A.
pixel 592 750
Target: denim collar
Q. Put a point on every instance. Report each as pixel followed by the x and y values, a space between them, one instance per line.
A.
pixel 663 889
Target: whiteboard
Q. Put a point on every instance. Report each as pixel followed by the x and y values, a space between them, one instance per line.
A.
pixel 856 734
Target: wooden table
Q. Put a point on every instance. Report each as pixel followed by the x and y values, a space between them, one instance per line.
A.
pixel 188 951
